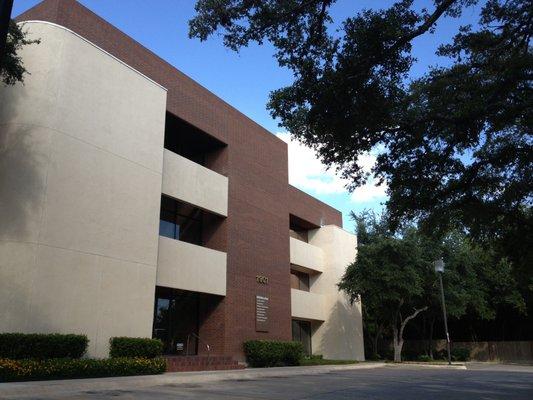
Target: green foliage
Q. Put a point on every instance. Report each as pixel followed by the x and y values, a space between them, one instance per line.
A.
pixel 454 144
pixel 12 68
pixel 135 347
pixel 40 346
pixel 321 361
pixel 441 355
pixel 424 358
pixel 389 270
pixel 271 353
pixel 389 275
pixel 460 354
pixel 63 368
pixel 394 275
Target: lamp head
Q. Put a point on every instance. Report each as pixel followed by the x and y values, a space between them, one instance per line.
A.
pixel 439 265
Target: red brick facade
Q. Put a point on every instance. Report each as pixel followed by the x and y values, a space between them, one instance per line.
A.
pixel 256 231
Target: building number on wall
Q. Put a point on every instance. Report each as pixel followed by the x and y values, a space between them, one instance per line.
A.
pixel 261 279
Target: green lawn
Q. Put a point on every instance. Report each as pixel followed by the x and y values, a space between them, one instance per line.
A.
pixel 321 361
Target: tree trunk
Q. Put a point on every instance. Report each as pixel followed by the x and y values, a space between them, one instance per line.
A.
pixel 398 333
pixel 374 347
pixel 398 345
pixel 375 341
pixel 397 342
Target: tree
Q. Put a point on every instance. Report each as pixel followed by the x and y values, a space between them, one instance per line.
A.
pixel 395 278
pixel 12 68
pixel 478 283
pixel 455 143
pixel 388 276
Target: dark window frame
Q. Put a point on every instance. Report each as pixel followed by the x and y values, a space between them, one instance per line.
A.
pixel 172 219
pixel 303 280
pixel 301 328
pixel 170 331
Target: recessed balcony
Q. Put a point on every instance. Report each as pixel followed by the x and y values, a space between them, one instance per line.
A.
pixel 307 305
pixel 192 183
pixel 306 255
pixel 187 266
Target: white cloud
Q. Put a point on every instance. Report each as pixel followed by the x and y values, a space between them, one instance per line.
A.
pixel 308 173
pixel 369 192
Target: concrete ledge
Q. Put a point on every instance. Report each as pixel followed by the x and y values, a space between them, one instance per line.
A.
pixel 182 265
pixel 306 255
pixel 71 386
pixel 188 181
pixel 307 305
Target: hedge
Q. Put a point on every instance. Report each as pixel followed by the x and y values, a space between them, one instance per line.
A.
pixel 42 346
pixel 135 347
pixel 270 353
pixel 460 354
pixel 61 368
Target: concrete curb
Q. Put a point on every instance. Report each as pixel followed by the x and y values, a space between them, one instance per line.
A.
pixel 65 387
pixel 426 365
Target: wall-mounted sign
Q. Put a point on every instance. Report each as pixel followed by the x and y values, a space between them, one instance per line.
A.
pixel 262 279
pixel 261 313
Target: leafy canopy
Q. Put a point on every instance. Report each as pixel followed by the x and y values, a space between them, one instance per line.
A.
pixel 455 143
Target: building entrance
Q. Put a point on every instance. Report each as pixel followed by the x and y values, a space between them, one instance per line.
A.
pixel 176 320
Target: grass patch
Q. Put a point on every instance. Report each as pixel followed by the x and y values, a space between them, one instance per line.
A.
pixel 322 361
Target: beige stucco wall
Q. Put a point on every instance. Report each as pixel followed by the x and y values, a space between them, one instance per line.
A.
pixel 190 182
pixel 186 266
pixel 340 336
pixel 307 305
pixel 81 155
pixel 306 255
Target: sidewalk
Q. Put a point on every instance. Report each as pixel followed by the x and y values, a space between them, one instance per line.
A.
pixel 67 386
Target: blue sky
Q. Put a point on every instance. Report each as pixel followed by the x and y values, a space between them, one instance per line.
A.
pixel 245 79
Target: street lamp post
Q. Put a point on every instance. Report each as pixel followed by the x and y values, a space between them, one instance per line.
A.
pixel 439 269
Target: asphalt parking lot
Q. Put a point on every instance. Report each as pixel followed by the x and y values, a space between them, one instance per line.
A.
pixel 406 382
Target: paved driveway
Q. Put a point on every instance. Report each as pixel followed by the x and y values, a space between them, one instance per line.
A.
pixel 405 382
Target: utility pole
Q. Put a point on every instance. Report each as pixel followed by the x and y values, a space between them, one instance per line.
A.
pixel 6 6
pixel 439 269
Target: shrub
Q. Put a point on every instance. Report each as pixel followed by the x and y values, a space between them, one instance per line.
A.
pixel 410 354
pixel 424 358
pixel 41 346
pixel 460 354
pixel 135 347
pixel 270 353
pixel 441 354
pixel 61 368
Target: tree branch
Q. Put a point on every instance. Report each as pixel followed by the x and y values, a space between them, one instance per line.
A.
pixel 410 317
pixel 428 23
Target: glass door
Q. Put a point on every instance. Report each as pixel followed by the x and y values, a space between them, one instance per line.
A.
pixel 176 320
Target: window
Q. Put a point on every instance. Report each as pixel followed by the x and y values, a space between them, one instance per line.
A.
pixel 301 332
pixel 299 280
pixel 180 221
pixel 188 141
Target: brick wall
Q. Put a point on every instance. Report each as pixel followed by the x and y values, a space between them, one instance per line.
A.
pixel 256 231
